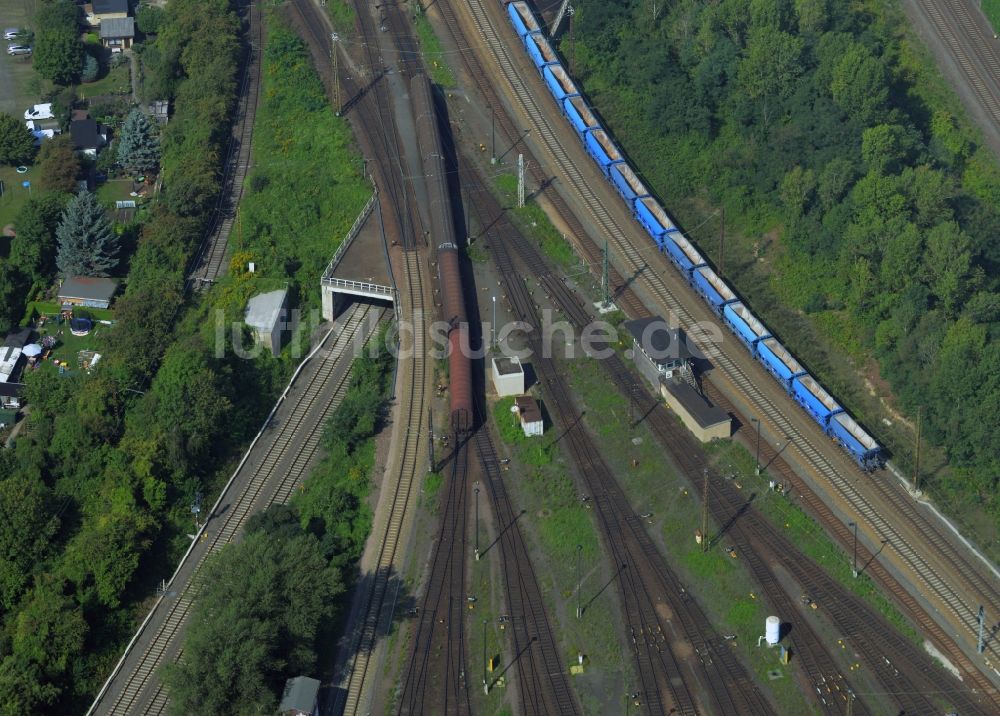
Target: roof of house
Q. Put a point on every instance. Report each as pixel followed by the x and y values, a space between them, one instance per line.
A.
pixel 85 134
pixel 264 310
pixel 300 695
pixel 89 289
pixel 695 404
pixel 508 366
pixel 19 339
pixel 11 390
pixel 107 7
pixel 658 340
pixel 118 27
pixel 528 409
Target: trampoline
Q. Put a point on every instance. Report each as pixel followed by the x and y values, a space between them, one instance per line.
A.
pixel 80 326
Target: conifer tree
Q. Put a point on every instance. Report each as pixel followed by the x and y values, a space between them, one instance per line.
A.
pixel 87 245
pixel 138 145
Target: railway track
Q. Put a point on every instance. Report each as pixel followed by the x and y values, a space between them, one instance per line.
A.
pixel 274 473
pixel 371 111
pixel 210 261
pixel 412 412
pixel 542 676
pixel 649 588
pixel 435 680
pixel 651 280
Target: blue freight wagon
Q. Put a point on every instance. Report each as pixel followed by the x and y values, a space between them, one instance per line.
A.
pixel 560 84
pixel 580 116
pixel 627 183
pixel 860 444
pixel 744 324
pixel 682 252
pixel 779 362
pixel 654 219
pixel 540 51
pixel 813 397
pixel 713 288
pixel 522 19
pixel 602 149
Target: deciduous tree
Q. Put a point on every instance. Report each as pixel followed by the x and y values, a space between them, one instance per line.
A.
pixel 58 164
pixel 17 145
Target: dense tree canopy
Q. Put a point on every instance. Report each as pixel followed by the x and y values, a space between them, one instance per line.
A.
pixel 862 196
pixel 58 164
pixel 57 52
pixel 17 144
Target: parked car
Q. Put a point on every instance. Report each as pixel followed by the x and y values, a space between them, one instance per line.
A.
pixel 11 33
pixel 39 111
pixel 18 50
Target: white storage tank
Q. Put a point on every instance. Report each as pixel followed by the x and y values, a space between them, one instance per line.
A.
pixel 772 630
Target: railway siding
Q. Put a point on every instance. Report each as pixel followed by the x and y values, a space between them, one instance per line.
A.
pixel 269 472
pixel 652 283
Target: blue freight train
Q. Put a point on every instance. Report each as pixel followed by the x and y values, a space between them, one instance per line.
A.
pixel 818 404
pixel 580 116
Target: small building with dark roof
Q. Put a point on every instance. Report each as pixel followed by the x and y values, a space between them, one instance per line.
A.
pixel 117 33
pixel 109 9
pixel 530 415
pixel 87 291
pixel 706 421
pixel 18 339
pixel 659 351
pixel 88 136
pixel 300 697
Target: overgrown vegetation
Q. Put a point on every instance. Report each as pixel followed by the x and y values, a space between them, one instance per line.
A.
pixel 291 192
pixel 111 460
pixel 265 604
pixel 858 195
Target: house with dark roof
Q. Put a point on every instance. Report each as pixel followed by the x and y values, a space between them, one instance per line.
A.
pixel 97 11
pixel 659 351
pixel 87 291
pixel 117 33
pixel 529 413
pixel 88 136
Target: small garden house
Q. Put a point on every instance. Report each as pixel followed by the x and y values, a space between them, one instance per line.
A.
pixel 87 291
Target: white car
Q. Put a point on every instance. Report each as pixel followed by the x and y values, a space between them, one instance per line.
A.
pixel 11 33
pixel 18 50
pixel 39 111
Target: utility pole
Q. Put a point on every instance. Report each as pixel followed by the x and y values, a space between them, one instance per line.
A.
pixel 981 646
pixel 916 461
pixel 854 560
pixel 579 583
pixel 520 181
pixel 430 435
pixel 493 326
pixel 722 241
pixel 486 685
pixel 477 521
pixel 334 37
pixel 572 42
pixel 704 511
pixel 756 469
pixel 493 135
pixel 563 9
pixel 605 288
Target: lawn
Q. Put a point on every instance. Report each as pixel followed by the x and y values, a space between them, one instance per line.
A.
pixel 14 195
pixel 991 8
pixel 16 74
pixel 114 190
pixel 116 81
pixel 433 53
